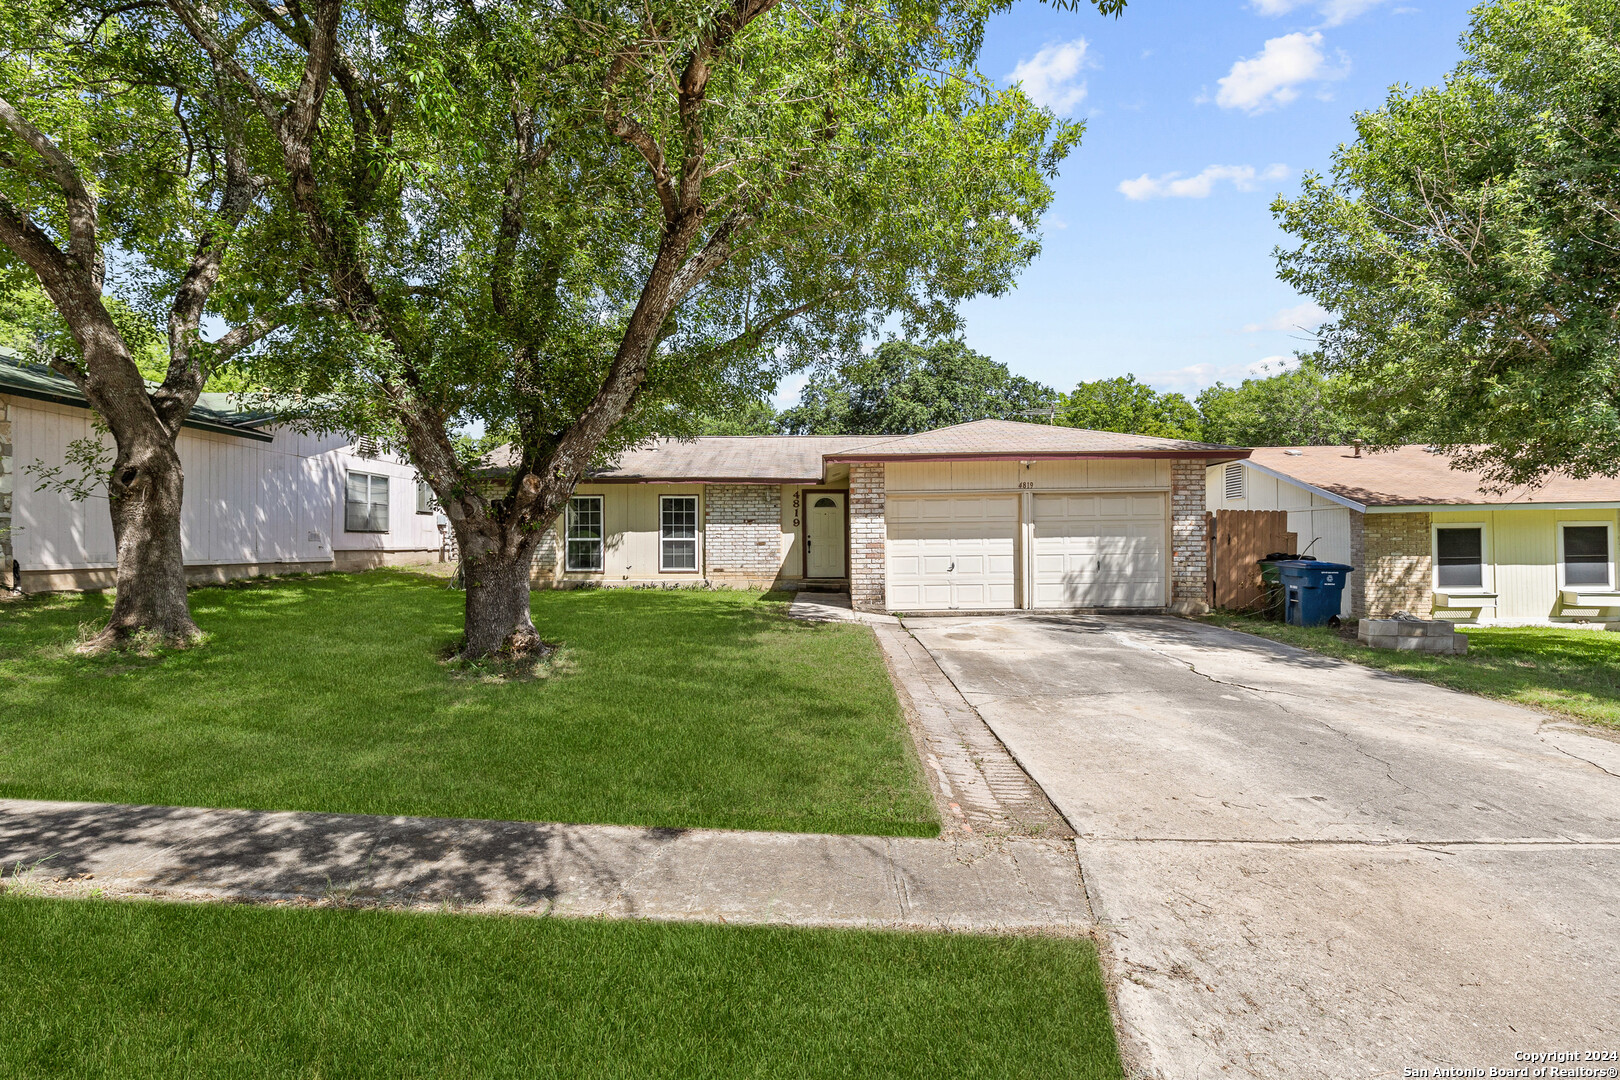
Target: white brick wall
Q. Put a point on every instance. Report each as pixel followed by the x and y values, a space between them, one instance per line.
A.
pixel 743 539
pixel 1189 543
pixel 868 533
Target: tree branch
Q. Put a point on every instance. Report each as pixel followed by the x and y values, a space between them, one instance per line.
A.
pixel 270 102
pixel 84 245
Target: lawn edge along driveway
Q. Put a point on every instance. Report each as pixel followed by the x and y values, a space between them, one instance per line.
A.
pixel 1570 671
pixel 684 709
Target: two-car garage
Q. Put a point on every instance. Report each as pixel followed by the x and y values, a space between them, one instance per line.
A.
pixel 1081 549
pixel 995 515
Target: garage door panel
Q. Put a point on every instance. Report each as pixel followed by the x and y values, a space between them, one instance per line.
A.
pixel 1103 550
pixel 950 552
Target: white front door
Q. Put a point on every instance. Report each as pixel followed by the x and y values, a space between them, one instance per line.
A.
pixel 950 552
pixel 824 534
pixel 1100 551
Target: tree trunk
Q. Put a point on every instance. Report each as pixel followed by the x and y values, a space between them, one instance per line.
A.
pixel 497 582
pixel 144 494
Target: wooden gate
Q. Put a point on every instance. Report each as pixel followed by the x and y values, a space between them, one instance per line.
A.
pixel 1239 539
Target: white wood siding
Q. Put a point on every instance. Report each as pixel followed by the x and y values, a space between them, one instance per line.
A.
pixel 246 501
pixel 1322 525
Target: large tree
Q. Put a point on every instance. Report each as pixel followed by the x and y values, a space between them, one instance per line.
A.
pixel 119 149
pixel 901 388
pixel 1301 407
pixel 579 224
pixel 1468 243
pixel 1124 404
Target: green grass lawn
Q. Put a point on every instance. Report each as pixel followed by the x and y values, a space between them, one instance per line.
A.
pixel 109 989
pixel 1564 669
pixel 670 708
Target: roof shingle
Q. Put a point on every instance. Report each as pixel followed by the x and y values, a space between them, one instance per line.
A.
pixel 1416 476
pixel 982 438
pixel 757 458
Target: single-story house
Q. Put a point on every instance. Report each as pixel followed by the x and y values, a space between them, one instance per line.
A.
pixel 259 498
pixel 1430 540
pixel 987 515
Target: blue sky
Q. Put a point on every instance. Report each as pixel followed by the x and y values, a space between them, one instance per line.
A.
pixel 1157 254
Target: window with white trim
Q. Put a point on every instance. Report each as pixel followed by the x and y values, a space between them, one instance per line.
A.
pixel 1459 557
pixel 677 532
pixel 1234 482
pixel 424 498
pixel 584 538
pixel 1583 555
pixel 365 503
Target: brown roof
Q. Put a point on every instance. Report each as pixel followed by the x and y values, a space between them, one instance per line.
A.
pixel 1009 438
pixel 792 459
pixel 1415 476
pixel 746 458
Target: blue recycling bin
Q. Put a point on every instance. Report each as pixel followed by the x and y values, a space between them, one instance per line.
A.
pixel 1312 590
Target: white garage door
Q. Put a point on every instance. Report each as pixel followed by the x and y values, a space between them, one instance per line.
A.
pixel 1100 551
pixel 951 551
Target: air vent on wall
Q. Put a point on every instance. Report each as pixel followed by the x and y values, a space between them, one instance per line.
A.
pixel 365 446
pixel 1234 482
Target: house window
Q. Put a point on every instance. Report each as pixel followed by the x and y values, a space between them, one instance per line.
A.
pixel 584 533
pixel 424 498
pixel 677 532
pixel 365 505
pixel 1459 556
pixel 1585 556
pixel 1234 482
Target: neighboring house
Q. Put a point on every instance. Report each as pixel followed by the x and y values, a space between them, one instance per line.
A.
pixel 989 515
pixel 1432 541
pixel 259 498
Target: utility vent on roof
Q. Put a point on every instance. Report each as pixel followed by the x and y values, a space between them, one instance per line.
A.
pixel 365 446
pixel 1234 482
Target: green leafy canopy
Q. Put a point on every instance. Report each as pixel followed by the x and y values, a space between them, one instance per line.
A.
pixel 1468 243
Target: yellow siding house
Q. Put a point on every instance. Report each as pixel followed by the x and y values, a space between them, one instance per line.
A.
pixel 1435 541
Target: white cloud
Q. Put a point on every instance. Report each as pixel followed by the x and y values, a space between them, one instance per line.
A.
pixel 1195 377
pixel 789 389
pixel 1306 316
pixel 1273 78
pixel 1051 77
pixel 1175 186
pixel 1333 12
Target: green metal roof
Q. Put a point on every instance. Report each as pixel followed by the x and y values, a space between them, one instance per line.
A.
pixel 213 412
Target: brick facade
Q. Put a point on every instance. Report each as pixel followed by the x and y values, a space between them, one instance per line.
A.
pixel 868 536
pixel 7 466
pixel 548 552
pixel 1392 554
pixel 1189 541
pixel 742 540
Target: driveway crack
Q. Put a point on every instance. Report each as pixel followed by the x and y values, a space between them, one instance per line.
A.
pixel 1389 768
pixel 1577 757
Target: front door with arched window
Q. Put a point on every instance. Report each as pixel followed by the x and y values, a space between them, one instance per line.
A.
pixel 824 534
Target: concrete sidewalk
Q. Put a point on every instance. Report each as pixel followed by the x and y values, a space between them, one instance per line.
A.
pixel 799 879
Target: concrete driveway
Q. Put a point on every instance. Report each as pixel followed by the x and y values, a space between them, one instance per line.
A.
pixel 1309 868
